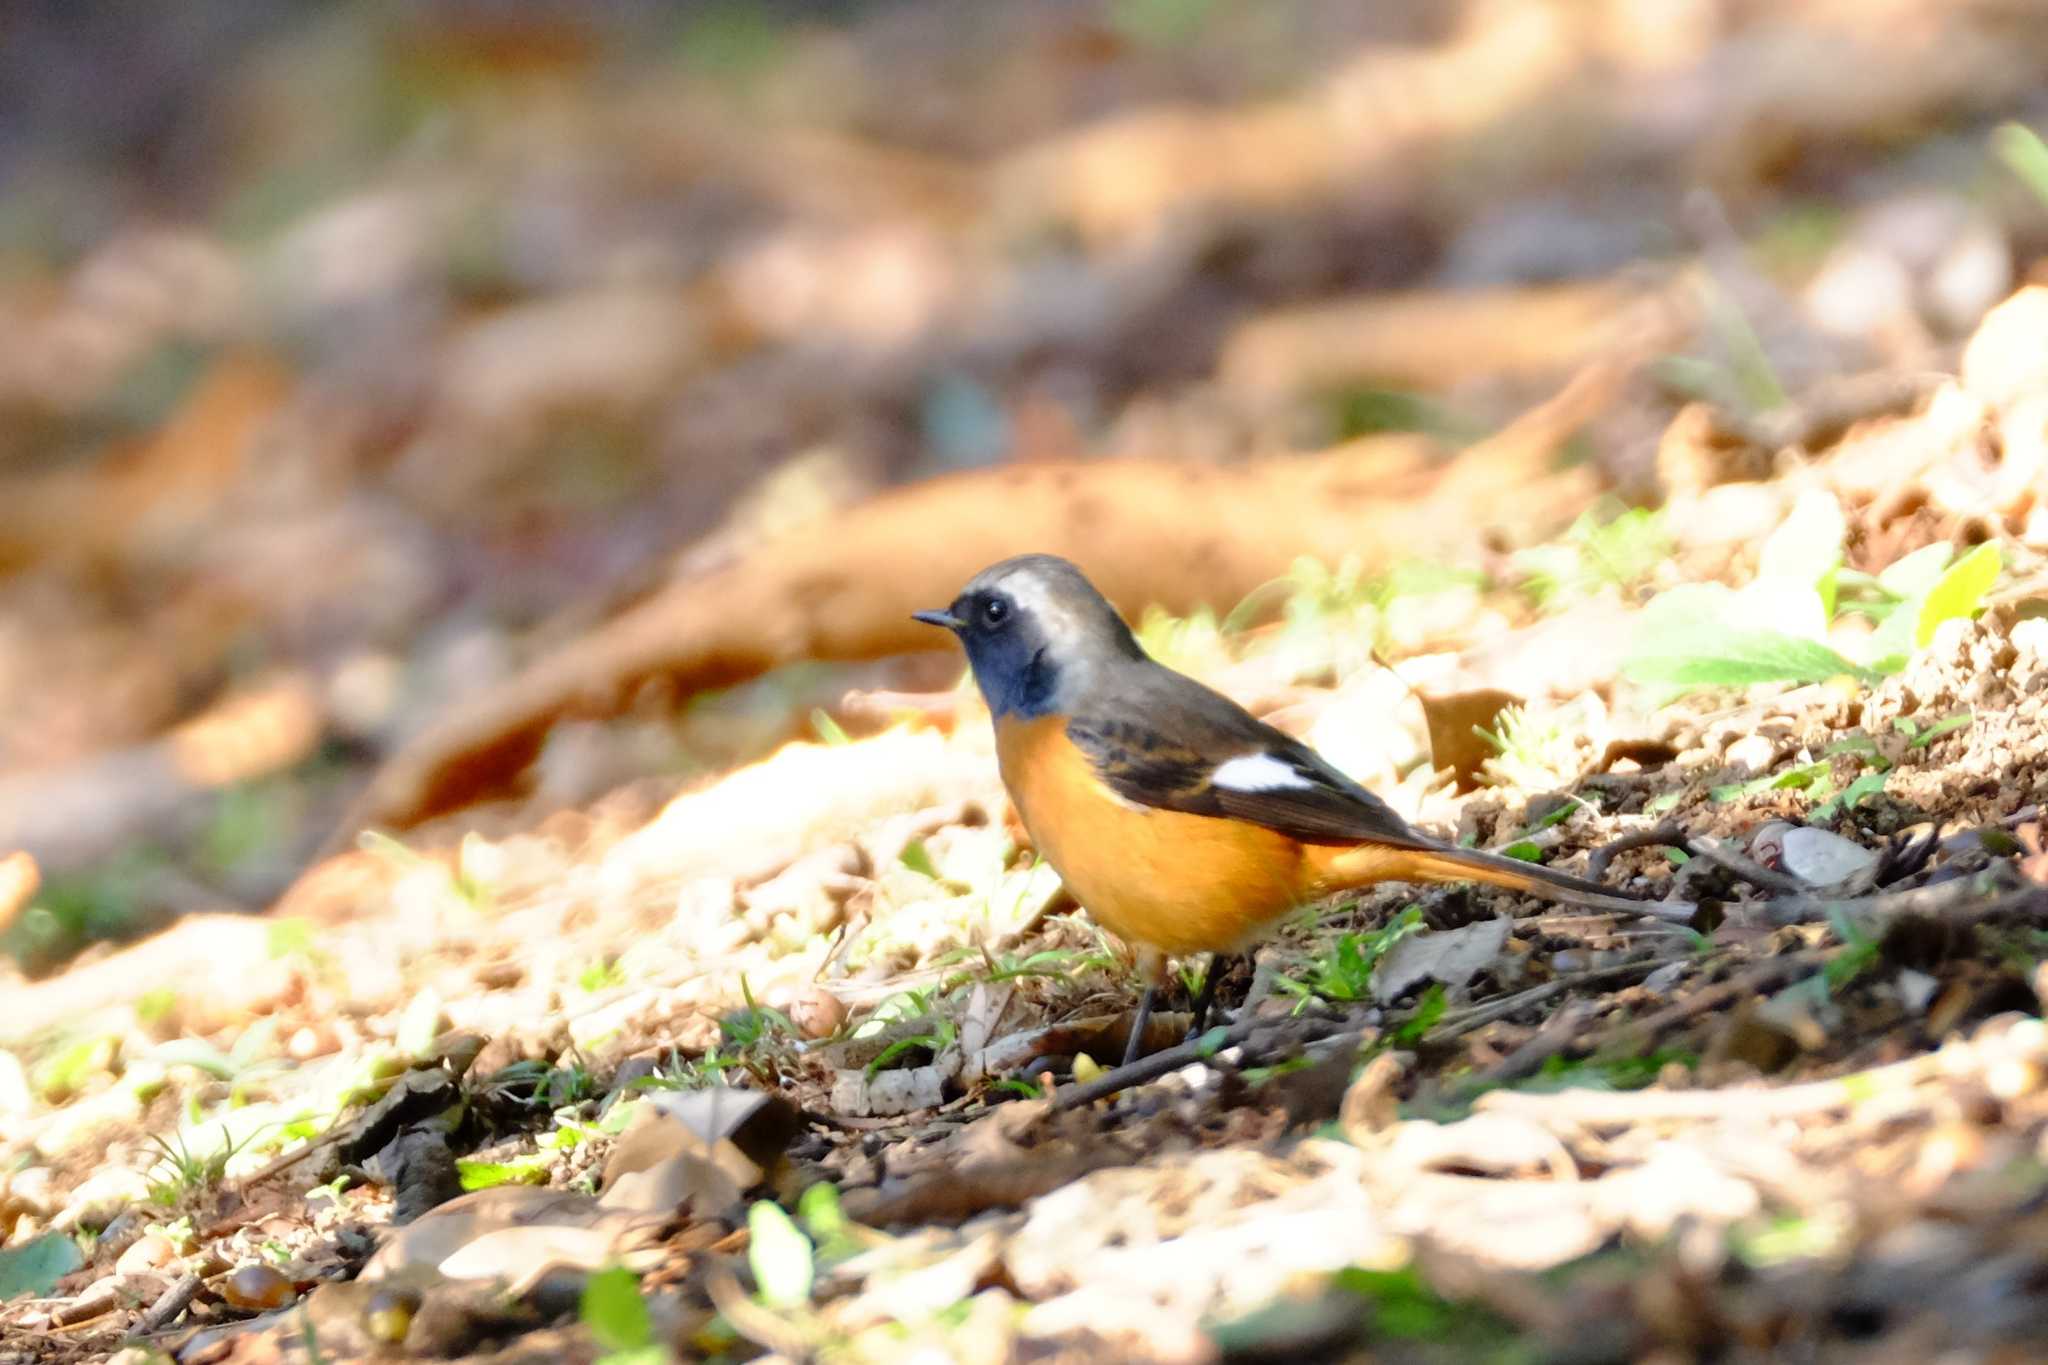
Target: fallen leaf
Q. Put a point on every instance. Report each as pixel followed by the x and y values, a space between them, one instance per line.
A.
pixel 35 1267
pixel 1455 721
pixel 1450 956
pixel 437 1236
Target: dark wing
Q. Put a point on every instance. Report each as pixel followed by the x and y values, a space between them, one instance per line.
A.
pixel 1161 744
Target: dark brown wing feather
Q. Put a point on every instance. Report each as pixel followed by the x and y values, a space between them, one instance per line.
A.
pixel 1162 737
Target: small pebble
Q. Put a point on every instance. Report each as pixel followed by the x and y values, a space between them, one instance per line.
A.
pixel 817 1013
pixel 257 1289
pixel 1754 752
pixel 1820 858
pixel 388 1316
pixel 151 1251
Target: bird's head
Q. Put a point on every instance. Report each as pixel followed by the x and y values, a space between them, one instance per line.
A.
pixel 1035 630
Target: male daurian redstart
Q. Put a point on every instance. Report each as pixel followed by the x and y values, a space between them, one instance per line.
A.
pixel 1177 819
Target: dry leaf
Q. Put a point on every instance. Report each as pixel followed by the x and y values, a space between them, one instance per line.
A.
pixel 1455 720
pixel 1450 956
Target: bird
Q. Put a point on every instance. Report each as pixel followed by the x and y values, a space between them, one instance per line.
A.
pixel 1179 821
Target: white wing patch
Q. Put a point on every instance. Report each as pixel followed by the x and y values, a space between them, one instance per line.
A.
pixel 1258 773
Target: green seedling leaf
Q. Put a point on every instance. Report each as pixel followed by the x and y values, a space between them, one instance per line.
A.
pixel 918 859
pixel 1859 951
pixel 290 938
pixel 615 1314
pixel 1806 549
pixel 818 1209
pixel 1918 572
pixel 1790 1237
pixel 1855 794
pixel 1211 1042
pixel 1860 746
pixel 35 1267
pixel 198 1054
pixel 420 1024
pixel 1959 592
pixel 1891 644
pixel 2023 153
pixel 1945 726
pixel 935 1041
pixel 1525 850
pixel 482 1175
pixel 1792 779
pixel 780 1256
pixel 1722 657
pixel 1417 1025
pixel 828 729
pixel 1695 636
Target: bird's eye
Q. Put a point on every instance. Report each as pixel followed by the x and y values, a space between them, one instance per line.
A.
pixel 995 611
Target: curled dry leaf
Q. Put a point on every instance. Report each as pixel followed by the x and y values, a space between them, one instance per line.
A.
pixel 699 1150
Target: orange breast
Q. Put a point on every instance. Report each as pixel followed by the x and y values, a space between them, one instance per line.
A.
pixel 1158 879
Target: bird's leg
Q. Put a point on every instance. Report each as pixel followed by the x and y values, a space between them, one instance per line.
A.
pixel 1135 1048
pixel 1151 966
pixel 1206 996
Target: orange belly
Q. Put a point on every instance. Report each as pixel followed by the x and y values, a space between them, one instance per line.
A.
pixel 1158 879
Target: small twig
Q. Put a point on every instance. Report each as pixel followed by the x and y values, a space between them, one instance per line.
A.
pixel 1557 1033
pixel 759 1325
pixel 1654 1106
pixel 1966 900
pixel 1150 1068
pixel 1669 912
pixel 168 1305
pixel 1748 869
pixel 1633 1037
pixel 1670 834
pixel 1194 1050
pixel 1479 1016
pixel 102 1298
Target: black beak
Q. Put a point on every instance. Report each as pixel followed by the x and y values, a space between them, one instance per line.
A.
pixel 940 618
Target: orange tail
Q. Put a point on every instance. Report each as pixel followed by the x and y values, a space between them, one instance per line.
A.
pixel 1344 869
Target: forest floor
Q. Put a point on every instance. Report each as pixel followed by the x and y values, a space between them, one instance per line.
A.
pixel 489 871
pixel 1452 1124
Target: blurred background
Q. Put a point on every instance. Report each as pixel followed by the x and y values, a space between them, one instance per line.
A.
pixel 357 354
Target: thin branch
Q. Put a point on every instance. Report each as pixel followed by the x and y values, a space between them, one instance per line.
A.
pixel 168 1305
pixel 1636 1035
pixel 1193 1050
pixel 1605 1107
pixel 1464 1021
pixel 1966 900
pixel 1670 834
pixel 1558 1032
pixel 1748 869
